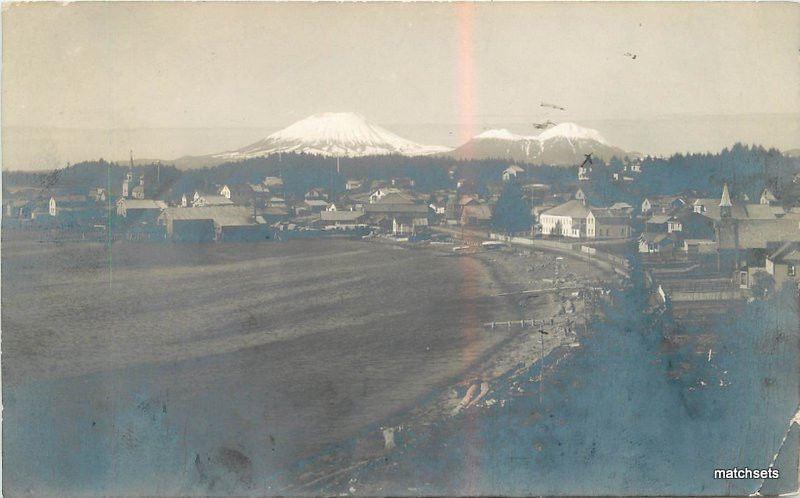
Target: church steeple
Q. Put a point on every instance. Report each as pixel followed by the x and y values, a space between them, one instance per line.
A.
pixel 725 203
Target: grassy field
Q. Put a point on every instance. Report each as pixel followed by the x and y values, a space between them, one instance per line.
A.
pixel 161 369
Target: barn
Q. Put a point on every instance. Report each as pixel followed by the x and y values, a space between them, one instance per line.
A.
pixel 209 223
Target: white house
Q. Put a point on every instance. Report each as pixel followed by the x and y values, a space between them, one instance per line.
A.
pixel 767 198
pixel 383 192
pixel 204 200
pixel 512 172
pixel 352 185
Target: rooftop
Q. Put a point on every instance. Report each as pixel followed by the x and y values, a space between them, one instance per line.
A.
pixel 221 215
pixel 573 209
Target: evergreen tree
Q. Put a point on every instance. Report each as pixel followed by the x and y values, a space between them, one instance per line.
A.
pixel 511 214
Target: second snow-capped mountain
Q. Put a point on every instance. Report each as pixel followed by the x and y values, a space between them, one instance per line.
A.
pixel 562 145
pixel 333 134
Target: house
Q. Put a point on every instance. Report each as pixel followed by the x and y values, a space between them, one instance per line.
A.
pixel 767 198
pixel 585 170
pixel 476 215
pixel 699 246
pixel 244 194
pixel 273 183
pixel 652 243
pixel 566 220
pixel 315 205
pixel 691 225
pixel 99 194
pixel 702 205
pixel 342 218
pixel 63 204
pixel 138 191
pixel 204 200
pixel 607 223
pixel 382 192
pixel 438 207
pixel 576 219
pixel 662 204
pixel 621 177
pixel 580 195
pixel 127 184
pixel 622 209
pixel 18 208
pixel 658 223
pixel 536 192
pixel 209 223
pixel 315 193
pixel 353 185
pixel 140 210
pixel 273 214
pixel 402 182
pixel 783 264
pixel 401 218
pixel 465 185
pixel 512 172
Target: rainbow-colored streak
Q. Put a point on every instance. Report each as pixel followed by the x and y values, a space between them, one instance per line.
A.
pixel 465 73
pixel 470 268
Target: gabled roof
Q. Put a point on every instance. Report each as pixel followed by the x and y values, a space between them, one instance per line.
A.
pixel 384 207
pixel 481 212
pixel 573 209
pixel 273 181
pixel 221 215
pixel 215 200
pixel 239 189
pixel 659 219
pixel 74 198
pixel 789 251
pixel 739 211
pixel 142 203
pixel 655 238
pixel 768 196
pixel 395 198
pixel 340 215
pixel 315 202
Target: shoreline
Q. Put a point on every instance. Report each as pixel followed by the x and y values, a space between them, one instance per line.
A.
pixel 473 391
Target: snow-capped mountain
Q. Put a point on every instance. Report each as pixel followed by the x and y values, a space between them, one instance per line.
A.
pixel 342 134
pixel 564 144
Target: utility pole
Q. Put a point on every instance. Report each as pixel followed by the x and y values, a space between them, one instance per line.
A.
pixel 109 236
pixel 542 333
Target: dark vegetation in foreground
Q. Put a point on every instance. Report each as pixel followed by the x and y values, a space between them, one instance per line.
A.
pixel 614 417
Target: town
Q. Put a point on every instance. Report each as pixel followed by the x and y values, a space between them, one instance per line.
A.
pixel 400 249
pixel 717 243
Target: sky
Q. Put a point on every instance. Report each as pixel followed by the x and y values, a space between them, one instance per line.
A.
pixel 85 80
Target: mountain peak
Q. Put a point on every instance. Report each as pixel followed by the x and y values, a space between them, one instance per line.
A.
pixel 344 134
pixel 499 134
pixel 572 131
pixel 563 144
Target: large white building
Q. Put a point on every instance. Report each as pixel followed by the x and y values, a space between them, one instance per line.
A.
pixel 567 220
pixel 575 219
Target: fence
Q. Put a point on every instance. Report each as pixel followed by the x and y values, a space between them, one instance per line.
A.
pixel 617 263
